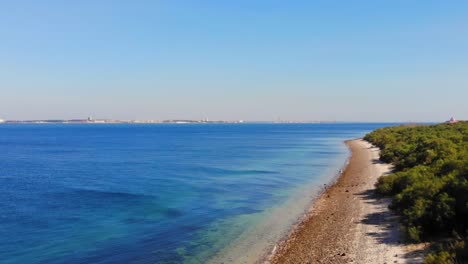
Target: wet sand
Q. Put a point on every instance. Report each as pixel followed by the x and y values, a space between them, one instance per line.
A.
pixel 348 223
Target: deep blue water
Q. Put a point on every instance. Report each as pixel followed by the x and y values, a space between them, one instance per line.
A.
pixel 152 193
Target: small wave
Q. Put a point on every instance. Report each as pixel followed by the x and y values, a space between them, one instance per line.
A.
pixel 92 192
pixel 327 152
pixel 172 213
pixel 58 151
pixel 231 171
pixel 243 210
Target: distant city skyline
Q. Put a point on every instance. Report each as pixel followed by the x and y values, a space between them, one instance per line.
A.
pixel 203 120
pixel 244 60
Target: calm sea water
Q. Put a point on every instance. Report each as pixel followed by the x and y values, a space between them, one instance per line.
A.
pixel 159 193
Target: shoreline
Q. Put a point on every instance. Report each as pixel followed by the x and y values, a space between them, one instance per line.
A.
pixel 347 222
pixel 256 244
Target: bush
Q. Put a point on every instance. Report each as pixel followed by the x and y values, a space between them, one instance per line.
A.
pixel 443 257
pixel 430 182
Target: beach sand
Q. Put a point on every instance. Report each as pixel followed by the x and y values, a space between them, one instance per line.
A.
pixel 348 223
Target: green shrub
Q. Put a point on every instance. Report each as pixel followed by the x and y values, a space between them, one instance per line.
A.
pixel 443 257
pixel 429 184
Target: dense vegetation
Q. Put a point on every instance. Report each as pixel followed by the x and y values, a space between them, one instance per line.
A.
pixel 429 185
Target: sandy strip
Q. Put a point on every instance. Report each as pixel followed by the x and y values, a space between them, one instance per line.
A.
pixel 348 223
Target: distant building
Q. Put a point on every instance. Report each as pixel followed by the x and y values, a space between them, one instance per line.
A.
pixel 452 121
pixel 2 121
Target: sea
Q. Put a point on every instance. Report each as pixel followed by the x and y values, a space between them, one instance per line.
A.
pixel 160 193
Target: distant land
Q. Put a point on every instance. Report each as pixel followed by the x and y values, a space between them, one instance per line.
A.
pixel 91 120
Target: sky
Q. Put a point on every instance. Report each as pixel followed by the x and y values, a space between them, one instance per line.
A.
pixel 252 60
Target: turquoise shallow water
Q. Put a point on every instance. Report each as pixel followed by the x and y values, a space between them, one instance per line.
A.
pixel 158 193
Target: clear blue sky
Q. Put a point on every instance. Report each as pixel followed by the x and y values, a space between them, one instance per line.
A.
pixel 370 60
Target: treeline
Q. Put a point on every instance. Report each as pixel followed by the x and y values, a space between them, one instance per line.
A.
pixel 429 184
